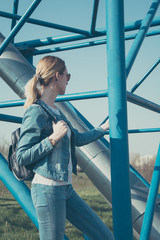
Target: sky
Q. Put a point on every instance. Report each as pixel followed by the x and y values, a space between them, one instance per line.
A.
pixel 88 66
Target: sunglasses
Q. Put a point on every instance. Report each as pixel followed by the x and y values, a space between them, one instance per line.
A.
pixel 68 75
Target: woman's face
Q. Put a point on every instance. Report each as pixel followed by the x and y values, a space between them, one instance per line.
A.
pixel 62 82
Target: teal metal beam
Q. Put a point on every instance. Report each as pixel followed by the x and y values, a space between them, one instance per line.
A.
pixel 9 118
pixel 138 23
pixel 149 34
pixel 45 24
pixel 145 76
pixel 140 177
pixel 142 102
pixel 133 25
pixel 12 103
pixel 76 37
pixel 49 41
pixel 141 36
pixel 146 130
pixel 128 27
pixel 148 216
pixel 66 97
pixel 68 47
pixel 15 10
pixel 94 17
pixel 18 189
pixel 58 40
pixel 19 25
pixel 15 119
pixel 121 206
pixel 89 95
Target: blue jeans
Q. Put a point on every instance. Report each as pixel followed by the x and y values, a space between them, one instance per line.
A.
pixel 56 203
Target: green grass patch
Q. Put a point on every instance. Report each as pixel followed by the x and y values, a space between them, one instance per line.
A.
pixel 16 225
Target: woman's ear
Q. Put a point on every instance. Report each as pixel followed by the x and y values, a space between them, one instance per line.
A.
pixel 57 76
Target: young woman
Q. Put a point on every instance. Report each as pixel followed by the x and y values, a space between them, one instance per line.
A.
pixel 48 146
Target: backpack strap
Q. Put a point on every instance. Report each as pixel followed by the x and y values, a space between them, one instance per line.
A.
pixel 45 108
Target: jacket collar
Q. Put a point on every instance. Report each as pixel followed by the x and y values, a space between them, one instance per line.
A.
pixel 46 108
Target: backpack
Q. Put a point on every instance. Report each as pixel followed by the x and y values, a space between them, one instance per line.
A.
pixel 20 172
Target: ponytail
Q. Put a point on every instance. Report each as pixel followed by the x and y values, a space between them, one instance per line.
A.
pixel 32 92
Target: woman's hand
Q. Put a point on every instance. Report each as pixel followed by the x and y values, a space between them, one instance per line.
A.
pixel 59 131
pixel 105 126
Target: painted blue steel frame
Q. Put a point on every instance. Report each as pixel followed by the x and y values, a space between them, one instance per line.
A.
pixel 141 36
pixel 149 212
pixel 117 88
pixel 18 189
pixel 121 206
pixel 145 76
pixel 19 25
pixel 90 95
pixel 15 10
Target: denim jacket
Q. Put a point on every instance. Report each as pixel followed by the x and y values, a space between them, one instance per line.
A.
pixel 34 148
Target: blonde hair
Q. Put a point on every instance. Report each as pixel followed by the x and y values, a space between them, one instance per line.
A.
pixel 45 71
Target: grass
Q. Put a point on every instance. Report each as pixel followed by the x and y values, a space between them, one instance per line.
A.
pixel 15 224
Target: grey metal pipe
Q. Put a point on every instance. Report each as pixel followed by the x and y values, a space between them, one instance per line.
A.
pixel 133 98
pixel 14 69
pixel 94 158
